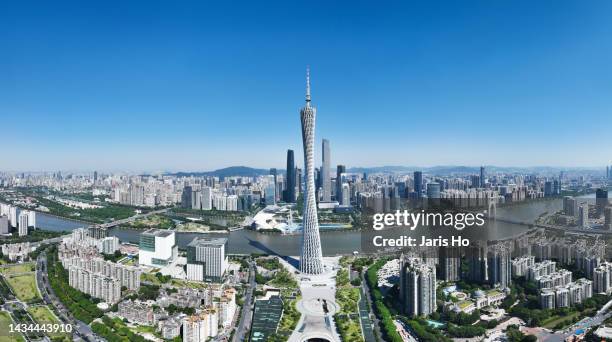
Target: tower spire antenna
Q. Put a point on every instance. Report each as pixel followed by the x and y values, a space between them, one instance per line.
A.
pixel 307 84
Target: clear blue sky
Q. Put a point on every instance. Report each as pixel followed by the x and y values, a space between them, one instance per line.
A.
pixel 201 85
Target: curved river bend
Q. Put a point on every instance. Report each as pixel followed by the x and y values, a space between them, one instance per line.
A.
pixel 334 242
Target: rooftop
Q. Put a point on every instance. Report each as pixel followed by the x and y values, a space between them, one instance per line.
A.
pixel 158 232
pixel 207 241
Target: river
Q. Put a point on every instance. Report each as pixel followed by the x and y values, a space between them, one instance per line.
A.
pixel 333 242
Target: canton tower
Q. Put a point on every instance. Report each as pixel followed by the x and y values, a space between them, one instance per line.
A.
pixel 311 261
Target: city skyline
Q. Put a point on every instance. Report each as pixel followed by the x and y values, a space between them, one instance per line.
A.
pixel 157 89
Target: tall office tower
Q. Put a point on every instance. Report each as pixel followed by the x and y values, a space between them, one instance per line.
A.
pixel 345 194
pixel 607 172
pixel 289 194
pixel 499 265
pixel 206 198
pixel 4 225
pixel 482 177
pixel 548 189
pixel 270 191
pixel 23 223
pixel 417 287
pixel 583 215
pixel 601 201
pixel 186 199
pixel 433 190
pixel 311 261
pixel 418 183
pixel 206 260
pixel 340 169
pixel 274 172
pixel 95 177
pixel 475 180
pixel 326 180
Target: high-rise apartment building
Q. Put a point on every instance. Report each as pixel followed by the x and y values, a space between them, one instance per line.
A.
pixel 417 287
pixel 4 225
pixel 13 216
pixel 608 218
pixel 201 327
pixel 206 198
pixel 583 215
pixel 499 265
pixel 23 223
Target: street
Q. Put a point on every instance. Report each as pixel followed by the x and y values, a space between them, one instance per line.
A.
pixel 245 317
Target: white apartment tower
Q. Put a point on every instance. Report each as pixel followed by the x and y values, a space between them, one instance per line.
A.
pixel 23 223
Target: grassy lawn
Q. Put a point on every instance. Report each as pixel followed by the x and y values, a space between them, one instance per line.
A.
pixel 17 268
pixel 5 320
pixel 43 315
pixel 145 329
pixel 553 321
pixel 290 317
pixel 151 278
pixel 153 221
pixel 24 286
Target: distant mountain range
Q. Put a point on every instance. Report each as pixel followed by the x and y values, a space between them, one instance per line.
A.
pixel 245 171
pixel 449 170
pixel 241 171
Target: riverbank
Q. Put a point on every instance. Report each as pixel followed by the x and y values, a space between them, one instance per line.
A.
pixel 334 242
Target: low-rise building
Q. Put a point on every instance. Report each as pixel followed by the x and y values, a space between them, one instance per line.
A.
pixel 17 251
pixel 139 312
pixel 157 248
pixel 170 327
